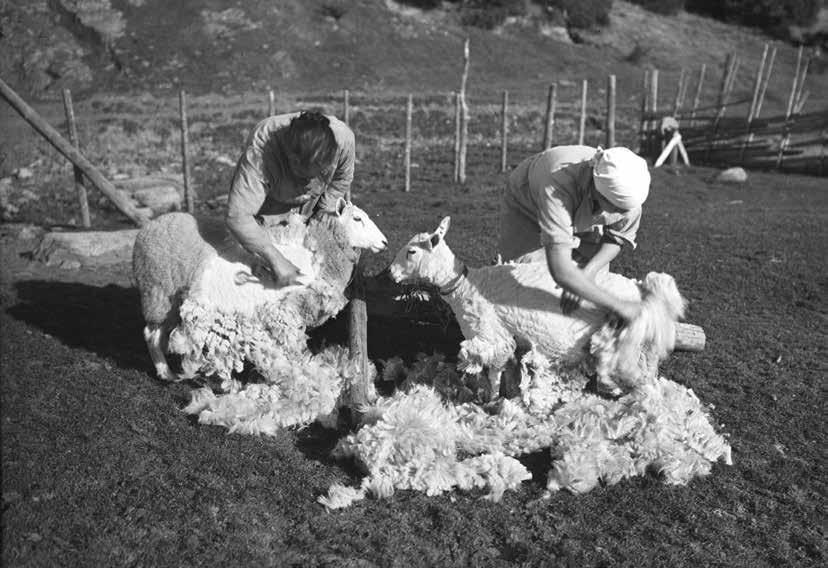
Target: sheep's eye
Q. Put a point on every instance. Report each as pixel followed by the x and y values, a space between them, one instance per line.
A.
pixel 358 219
pixel 411 252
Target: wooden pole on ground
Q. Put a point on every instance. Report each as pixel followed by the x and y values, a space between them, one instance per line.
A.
pixel 189 206
pixel 464 115
pixel 504 130
pixel 582 123
pixel 610 111
pixel 409 111
pixel 549 124
pixel 690 337
pixel 80 189
pixel 271 103
pixel 358 340
pixel 71 153
pixel 346 111
pixel 789 110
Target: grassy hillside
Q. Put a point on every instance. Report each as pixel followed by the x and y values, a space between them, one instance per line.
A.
pixel 223 47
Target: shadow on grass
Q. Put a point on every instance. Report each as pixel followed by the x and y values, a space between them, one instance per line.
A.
pixel 105 320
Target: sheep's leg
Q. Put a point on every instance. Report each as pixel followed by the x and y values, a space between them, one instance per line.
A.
pixel 154 336
pixel 494 382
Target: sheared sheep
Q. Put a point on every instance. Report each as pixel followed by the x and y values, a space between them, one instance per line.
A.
pixel 178 258
pixel 517 305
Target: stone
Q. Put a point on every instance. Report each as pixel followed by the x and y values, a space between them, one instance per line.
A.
pixel 73 249
pixel 732 175
pixel 159 193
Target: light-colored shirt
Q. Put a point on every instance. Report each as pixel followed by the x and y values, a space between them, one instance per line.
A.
pixel 264 184
pixel 554 188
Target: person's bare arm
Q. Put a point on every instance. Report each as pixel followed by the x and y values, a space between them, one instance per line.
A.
pixel 572 279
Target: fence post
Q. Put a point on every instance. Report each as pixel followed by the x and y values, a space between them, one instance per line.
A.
pixel 185 153
pixel 783 143
pixel 504 130
pixel 464 116
pixel 610 111
pixel 346 111
pixel 409 110
pixel 757 84
pixel 71 153
pixel 73 138
pixel 644 123
pixel 728 79
pixel 655 147
pixel 582 124
pixel 551 103
pixel 456 137
pixel 271 103
pixel 697 98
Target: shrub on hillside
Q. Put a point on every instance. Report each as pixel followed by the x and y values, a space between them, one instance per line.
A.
pixel 489 14
pixel 771 15
pixel 582 14
pixel 666 7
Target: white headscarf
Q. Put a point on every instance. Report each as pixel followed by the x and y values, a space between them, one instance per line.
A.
pixel 621 176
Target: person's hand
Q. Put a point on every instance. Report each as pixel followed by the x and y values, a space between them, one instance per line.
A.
pixel 299 199
pixel 569 302
pixel 287 274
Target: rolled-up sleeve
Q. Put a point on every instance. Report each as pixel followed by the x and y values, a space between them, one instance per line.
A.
pixel 343 174
pixel 247 194
pixel 624 231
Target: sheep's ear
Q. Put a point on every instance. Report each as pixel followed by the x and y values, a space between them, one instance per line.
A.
pixel 340 206
pixel 443 228
pixel 434 240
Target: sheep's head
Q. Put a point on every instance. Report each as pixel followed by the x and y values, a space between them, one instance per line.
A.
pixel 360 231
pixel 425 258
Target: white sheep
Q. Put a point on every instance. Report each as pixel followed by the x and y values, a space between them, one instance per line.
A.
pixel 517 305
pixel 180 257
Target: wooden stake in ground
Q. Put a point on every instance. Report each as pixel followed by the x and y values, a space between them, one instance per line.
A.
pixel 582 124
pixel 654 129
pixel 271 103
pixel 73 138
pixel 697 98
pixel 346 111
pixel 549 124
pixel 728 80
pixel 504 130
pixel 757 85
pixel 644 123
pixel 464 116
pixel 71 153
pixel 358 339
pixel 457 129
pixel 185 153
pixel 786 135
pixel 610 111
pixel 409 110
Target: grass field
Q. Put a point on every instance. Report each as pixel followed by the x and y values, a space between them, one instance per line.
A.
pixel 100 466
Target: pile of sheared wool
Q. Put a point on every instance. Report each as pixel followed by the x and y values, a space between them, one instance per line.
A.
pixel 294 387
pixel 419 440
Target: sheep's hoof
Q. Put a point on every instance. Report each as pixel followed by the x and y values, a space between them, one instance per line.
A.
pixel 165 374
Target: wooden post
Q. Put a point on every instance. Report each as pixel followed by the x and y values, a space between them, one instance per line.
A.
pixel 549 126
pixel 654 126
pixel 73 138
pixel 464 116
pixel 757 85
pixel 799 100
pixel 697 98
pixel 610 111
pixel 681 90
pixel 689 337
pixel 358 340
pixel 346 111
pixel 765 84
pixel 457 114
pixel 71 153
pixel 504 130
pixel 271 103
pixel 783 143
pixel 582 124
pixel 728 80
pixel 644 122
pixel 409 110
pixel 185 153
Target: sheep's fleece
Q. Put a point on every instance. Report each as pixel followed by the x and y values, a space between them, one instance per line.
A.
pixel 418 439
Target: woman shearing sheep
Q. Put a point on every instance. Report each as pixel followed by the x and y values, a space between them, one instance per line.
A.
pixel 580 204
pixel 293 162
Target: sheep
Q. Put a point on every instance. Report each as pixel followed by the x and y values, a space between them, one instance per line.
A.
pixel 513 306
pixel 180 257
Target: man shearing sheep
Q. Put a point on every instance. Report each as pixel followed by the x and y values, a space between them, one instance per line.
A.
pixel 294 162
pixel 582 205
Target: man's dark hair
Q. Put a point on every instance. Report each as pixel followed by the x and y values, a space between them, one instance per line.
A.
pixel 310 138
